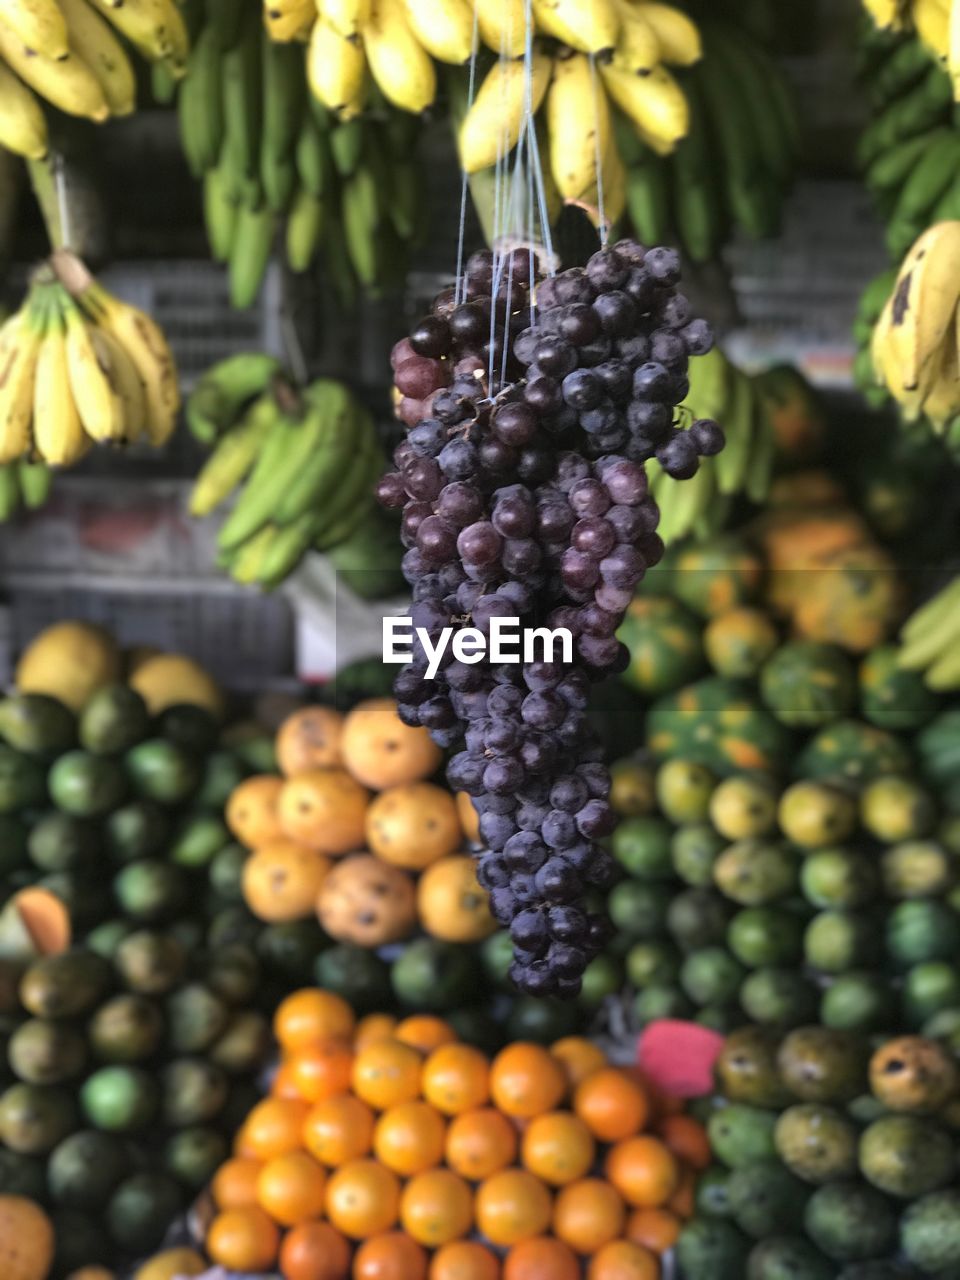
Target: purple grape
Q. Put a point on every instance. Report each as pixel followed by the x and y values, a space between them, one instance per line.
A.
pixel 479 543
pixel 679 457
pixel 708 437
pixel 589 498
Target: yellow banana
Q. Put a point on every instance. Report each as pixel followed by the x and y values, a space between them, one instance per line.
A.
pixel 941 403
pixel 103 53
pixel 578 124
pixel 655 103
pixel 293 22
pixel 589 26
pixel 398 61
pixel 502 26
pixel 23 126
pixel 886 14
pixel 931 18
pixel 99 406
pixel 443 27
pixel 679 36
pixel 68 84
pixel 37 24
pixel 491 128
pixel 336 70
pixel 127 383
pixel 57 431
pixel 924 305
pixel 345 16
pixel 19 343
pixel 953 49
pixel 638 48
pixel 155 28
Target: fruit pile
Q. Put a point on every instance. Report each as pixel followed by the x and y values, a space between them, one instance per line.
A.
pixel 930 639
pixel 831 1162
pixel 268 155
pixel 81 367
pixel 396 1145
pixel 307 462
pixel 63 52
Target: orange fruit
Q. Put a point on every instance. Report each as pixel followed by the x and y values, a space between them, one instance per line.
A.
pixel 375 1026
pixel 511 1206
pixel 393 1256
pixel 338 1129
pixel 281 881
pixel 311 1015
pixel 324 809
pixel 387 1073
pixel 283 1084
pixel 381 751
pixel 684 1197
pixel 274 1127
pixel 558 1148
pixel 469 818
pixel 241 1148
pixel 234 1184
pixel 436 1206
pixel 686 1138
pixel 623 1260
pixel 409 1138
pixel 464 1260
pixel 367 903
pixel 363 1199
pixel 456 1078
pixel 451 903
pixel 588 1214
pixel 413 825
pixel 541 1257
pixel 580 1057
pixel 322 1070
pixel 309 739
pixel 314 1251
pixel 480 1143
pixel 425 1032
pixel 655 1229
pixel 291 1188
pixel 612 1104
pixel 526 1081
pixel 252 810
pixel 644 1172
pixel 243 1240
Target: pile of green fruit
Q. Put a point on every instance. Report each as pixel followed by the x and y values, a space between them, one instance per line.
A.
pixel 832 1162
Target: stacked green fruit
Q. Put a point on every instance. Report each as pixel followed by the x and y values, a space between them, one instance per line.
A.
pixel 734 168
pixel 830 1161
pixel 305 464
pixel 271 157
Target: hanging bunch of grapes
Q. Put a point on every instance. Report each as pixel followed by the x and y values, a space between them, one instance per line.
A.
pixel 531 410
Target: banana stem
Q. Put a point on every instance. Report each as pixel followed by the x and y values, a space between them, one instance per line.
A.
pixel 43 179
pixel 289 400
pixel 70 271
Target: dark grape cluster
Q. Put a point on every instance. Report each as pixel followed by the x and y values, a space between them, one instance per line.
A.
pixel 530 414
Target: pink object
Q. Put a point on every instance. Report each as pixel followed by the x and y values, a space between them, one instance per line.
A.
pixel 678 1057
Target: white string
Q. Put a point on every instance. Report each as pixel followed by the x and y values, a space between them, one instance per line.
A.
pixel 602 228
pixel 460 286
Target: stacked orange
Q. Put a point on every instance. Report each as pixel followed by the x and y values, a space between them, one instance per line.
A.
pixel 354 832
pixel 391 1151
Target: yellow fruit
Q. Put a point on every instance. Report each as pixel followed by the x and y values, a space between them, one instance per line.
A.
pixel 451 904
pixel 69 661
pixel 171 1264
pixel 92 1273
pixel 171 678
pixel 26 1240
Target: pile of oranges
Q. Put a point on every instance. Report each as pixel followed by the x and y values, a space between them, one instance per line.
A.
pixel 357 785
pixel 391 1151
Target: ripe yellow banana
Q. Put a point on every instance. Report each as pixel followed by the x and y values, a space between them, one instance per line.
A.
pixel 443 27
pixel 155 28
pixel 398 61
pixel 68 84
pixel 679 36
pixel 345 16
pixel 655 103
pixel 336 70
pixel 931 18
pixel 285 23
pixel 23 126
pixel 126 381
pixel 887 14
pixel 578 124
pixel 37 24
pixel 19 343
pixel 57 431
pixel 953 49
pixel 638 48
pixel 502 25
pixel 103 53
pixel 941 403
pixel 589 26
pixel 491 128
pixel 924 306
pixel 98 404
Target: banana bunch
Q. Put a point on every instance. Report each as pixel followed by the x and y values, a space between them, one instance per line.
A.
pixel 23 484
pixel 736 164
pixel 300 466
pixel 80 368
pixel 73 54
pixel 936 24
pixel 274 163
pixel 915 344
pixel 930 639
pixel 744 467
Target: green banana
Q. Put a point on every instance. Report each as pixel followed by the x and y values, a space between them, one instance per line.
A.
pixel 648 199
pixel 907 63
pixel 163 83
pixel 9 491
pixel 346 146
pixel 918 111
pixel 220 211
pixel 353 503
pixel 698 213
pixel 225 392
pixel 337 265
pixel 250 253
pixel 874 296
pixel 233 458
pixel 226 18
pixel 929 179
pixel 247 561
pixel 241 81
pixel 711 385
pixel 284 103
pixel 333 418
pixel 36 480
pixel 892 167
pixel 749 86
pixel 286 549
pixel 734 461
pixel 947 208
pixel 278 180
pixel 304 230
pixel 313 159
pixel 200 104
pixel 360 206
pixel 405 203
pixel 763 448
